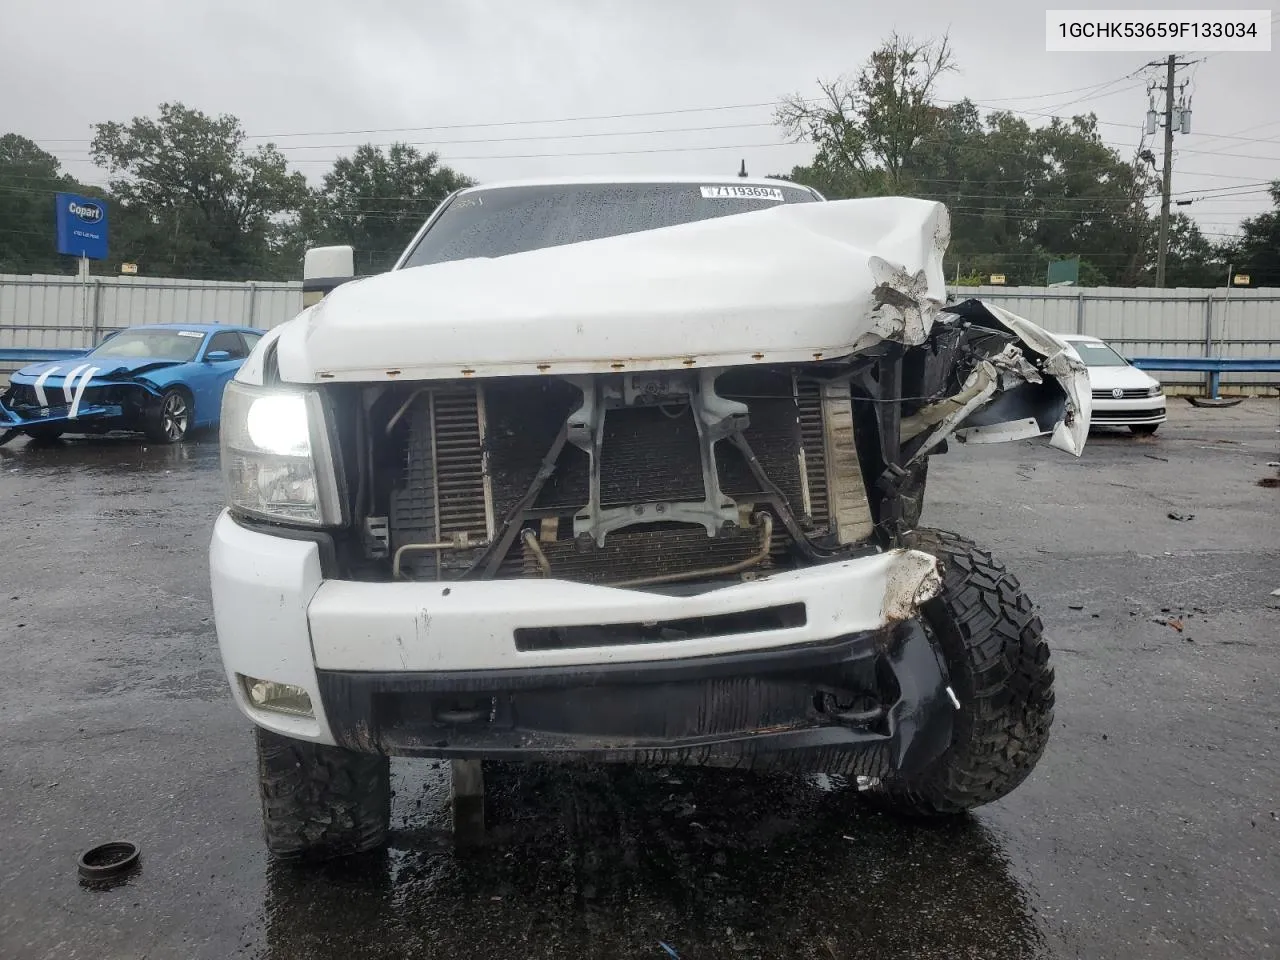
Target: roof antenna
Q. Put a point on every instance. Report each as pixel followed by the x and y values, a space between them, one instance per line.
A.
pixel 743 171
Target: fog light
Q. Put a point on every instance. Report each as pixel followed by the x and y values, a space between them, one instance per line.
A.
pixel 278 697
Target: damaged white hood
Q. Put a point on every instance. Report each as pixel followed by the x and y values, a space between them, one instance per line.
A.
pixel 790 284
pixel 786 284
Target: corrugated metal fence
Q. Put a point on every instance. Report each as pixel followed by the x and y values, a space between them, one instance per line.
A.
pixel 55 311
pixel 58 311
pixel 1152 322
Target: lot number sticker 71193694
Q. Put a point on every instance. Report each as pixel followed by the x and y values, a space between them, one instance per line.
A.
pixel 740 192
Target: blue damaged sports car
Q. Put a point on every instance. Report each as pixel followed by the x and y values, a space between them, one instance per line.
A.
pixel 164 380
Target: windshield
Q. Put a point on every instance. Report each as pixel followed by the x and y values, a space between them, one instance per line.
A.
pixel 504 220
pixel 181 345
pixel 1098 354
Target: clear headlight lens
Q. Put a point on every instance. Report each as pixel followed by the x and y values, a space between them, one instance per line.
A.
pixel 277 460
pixel 1155 391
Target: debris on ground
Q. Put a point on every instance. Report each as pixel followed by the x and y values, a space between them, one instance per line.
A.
pixel 1270 482
pixel 1152 456
pixel 1181 517
pixel 1214 401
pixel 1175 623
pixel 1076 606
pixel 671 951
pixel 108 860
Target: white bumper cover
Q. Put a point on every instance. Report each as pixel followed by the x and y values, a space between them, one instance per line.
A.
pixel 279 619
pixel 1112 412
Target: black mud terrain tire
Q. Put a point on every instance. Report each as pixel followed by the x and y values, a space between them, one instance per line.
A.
pixel 321 802
pixel 991 638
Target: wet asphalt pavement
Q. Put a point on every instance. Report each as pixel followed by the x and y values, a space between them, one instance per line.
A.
pixel 1149 830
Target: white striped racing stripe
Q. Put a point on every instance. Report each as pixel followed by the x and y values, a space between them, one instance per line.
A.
pixel 40 397
pixel 69 384
pixel 84 382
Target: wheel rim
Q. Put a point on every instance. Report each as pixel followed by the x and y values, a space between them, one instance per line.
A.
pixel 174 416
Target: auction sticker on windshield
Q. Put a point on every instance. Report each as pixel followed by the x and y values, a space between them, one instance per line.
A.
pixel 190 333
pixel 740 192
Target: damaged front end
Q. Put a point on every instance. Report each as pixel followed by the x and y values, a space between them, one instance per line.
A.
pixel 703 553
pixel 643 479
pixel 709 489
pixel 78 398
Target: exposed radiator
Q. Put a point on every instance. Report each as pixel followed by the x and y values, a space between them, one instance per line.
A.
pixel 809 403
pixel 650 454
pixel 443 488
pixel 639 553
pixel 472 451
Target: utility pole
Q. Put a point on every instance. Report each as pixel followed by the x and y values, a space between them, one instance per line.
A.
pixel 1171 65
pixel 1168 170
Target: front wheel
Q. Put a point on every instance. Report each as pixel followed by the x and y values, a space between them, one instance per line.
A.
pixel 1144 429
pixel 321 802
pixel 170 416
pixel 992 642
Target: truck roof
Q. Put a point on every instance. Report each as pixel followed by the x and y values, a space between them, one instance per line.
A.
pixel 727 178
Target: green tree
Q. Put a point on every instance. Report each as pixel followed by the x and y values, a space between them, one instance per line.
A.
pixel 377 200
pixel 193 200
pixel 29 178
pixel 1019 196
pixel 865 128
pixel 1193 260
pixel 1257 251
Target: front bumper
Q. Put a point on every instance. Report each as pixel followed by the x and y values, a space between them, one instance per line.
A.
pixel 550 669
pixel 58 415
pixel 1110 412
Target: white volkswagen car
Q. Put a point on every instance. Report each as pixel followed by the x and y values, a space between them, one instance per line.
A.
pixel 1123 395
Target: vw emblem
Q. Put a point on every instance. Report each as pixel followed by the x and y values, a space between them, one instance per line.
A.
pixel 1117 393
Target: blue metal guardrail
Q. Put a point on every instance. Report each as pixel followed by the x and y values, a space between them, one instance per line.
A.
pixel 38 354
pixel 1214 366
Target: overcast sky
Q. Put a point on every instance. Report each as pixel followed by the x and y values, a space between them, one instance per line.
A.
pixel 319 66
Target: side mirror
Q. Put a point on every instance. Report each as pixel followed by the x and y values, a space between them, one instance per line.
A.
pixel 324 269
pixel 217 356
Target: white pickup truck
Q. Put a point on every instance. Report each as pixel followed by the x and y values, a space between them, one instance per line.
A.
pixel 631 470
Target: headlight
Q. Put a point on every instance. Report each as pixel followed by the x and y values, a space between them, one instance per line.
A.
pixel 277 459
pixel 1155 391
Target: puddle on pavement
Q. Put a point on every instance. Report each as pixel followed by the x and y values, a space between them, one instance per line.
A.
pixel 110 455
pixel 607 862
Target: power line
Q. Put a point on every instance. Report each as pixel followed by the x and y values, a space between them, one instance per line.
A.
pixel 1242 187
pixel 475 126
pixel 989 103
pixel 1060 93
pixel 545 136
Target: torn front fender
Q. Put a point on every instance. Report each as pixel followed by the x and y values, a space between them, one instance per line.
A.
pixel 1017 382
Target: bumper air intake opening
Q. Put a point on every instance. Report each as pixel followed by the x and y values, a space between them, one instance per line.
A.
pixel 763 620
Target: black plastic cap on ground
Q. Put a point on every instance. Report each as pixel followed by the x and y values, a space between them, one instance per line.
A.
pixel 107 860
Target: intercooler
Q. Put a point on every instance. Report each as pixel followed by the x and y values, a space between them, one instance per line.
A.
pixel 634 502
